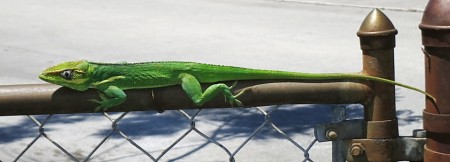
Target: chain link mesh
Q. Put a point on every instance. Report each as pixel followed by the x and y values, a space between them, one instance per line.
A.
pixel 192 129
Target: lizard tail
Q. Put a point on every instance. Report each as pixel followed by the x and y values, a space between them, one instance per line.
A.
pixel 349 76
pixel 402 85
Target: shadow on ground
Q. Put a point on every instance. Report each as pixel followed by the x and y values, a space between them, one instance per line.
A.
pixel 229 123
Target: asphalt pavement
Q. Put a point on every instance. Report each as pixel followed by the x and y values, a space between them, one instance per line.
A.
pixel 306 36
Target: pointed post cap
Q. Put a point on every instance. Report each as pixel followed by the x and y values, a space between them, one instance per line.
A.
pixel 376 23
pixel 376 32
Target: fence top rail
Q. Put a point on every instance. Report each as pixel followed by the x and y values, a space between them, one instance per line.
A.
pixel 32 99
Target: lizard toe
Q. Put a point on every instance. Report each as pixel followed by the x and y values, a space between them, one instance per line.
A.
pixel 98 108
pixel 95 100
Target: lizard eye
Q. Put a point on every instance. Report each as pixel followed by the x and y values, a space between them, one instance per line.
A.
pixel 67 74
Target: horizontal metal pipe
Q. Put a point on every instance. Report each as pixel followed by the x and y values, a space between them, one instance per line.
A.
pixel 53 99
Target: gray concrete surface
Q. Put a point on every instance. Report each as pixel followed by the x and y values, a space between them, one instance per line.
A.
pixel 281 35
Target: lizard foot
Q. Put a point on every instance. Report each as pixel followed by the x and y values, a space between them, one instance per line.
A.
pixel 230 98
pixel 233 101
pixel 106 101
pixel 102 106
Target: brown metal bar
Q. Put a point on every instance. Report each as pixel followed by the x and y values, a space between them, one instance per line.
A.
pixel 53 99
pixel 435 28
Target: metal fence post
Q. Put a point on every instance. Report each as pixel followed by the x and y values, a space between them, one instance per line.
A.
pixel 377 40
pixel 435 28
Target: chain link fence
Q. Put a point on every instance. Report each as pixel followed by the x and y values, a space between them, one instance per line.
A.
pixel 262 127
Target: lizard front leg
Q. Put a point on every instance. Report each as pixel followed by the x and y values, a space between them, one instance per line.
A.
pixel 193 89
pixel 110 95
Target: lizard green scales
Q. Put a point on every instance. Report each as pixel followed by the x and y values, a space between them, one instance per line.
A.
pixel 112 78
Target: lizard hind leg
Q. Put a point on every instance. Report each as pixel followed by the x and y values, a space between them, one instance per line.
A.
pixel 193 89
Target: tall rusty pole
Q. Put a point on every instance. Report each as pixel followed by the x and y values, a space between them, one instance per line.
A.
pixel 435 28
pixel 377 39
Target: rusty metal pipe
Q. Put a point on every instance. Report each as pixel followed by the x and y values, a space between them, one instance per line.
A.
pixel 53 99
pixel 377 38
pixel 435 28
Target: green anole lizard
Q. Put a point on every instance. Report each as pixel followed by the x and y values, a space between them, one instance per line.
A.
pixel 110 79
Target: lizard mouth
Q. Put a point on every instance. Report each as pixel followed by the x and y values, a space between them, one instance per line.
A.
pixel 42 76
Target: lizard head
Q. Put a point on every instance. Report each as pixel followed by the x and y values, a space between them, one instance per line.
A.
pixel 72 74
